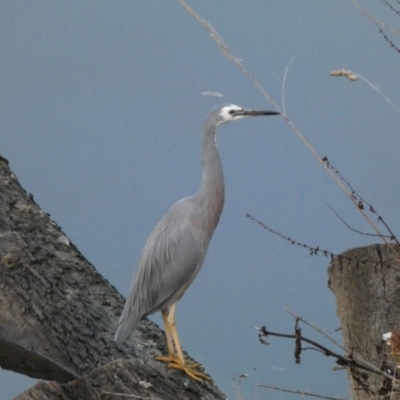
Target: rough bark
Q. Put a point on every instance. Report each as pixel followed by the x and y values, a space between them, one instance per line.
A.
pixel 122 379
pixel 58 315
pixel 365 282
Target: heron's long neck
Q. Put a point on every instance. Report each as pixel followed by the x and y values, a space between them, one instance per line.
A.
pixel 212 190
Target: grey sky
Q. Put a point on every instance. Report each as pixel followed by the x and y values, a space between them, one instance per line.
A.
pixel 100 114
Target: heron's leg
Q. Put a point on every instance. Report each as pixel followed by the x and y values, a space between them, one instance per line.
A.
pixel 177 361
pixel 170 345
pixel 174 333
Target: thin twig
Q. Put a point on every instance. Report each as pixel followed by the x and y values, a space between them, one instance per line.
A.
pixel 378 90
pixel 315 328
pixel 284 83
pixel 351 228
pixel 303 393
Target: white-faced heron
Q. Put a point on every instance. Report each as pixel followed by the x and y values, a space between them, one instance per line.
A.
pixel 175 250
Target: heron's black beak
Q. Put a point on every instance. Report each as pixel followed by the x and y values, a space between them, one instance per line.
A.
pixel 254 113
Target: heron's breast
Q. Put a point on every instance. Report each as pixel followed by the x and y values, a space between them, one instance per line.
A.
pixel 199 225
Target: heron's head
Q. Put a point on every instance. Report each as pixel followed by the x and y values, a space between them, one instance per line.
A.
pixel 231 112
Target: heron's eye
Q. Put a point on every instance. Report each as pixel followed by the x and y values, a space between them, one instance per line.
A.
pixel 231 112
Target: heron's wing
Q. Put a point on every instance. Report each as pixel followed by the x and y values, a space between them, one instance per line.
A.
pixel 170 259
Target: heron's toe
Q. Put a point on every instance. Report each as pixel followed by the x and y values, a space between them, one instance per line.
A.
pixel 191 371
pixel 190 368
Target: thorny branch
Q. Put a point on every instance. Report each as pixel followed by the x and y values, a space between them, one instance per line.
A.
pixel 391 43
pixel 391 7
pixel 313 250
pixel 317 250
pixel 381 25
pixel 360 201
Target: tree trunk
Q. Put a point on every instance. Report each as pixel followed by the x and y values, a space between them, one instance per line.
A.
pixel 365 282
pixel 58 316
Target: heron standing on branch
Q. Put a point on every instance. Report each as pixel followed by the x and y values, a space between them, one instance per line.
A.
pixel 175 250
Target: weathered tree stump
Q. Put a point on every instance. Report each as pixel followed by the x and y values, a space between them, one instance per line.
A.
pixel 58 316
pixel 366 283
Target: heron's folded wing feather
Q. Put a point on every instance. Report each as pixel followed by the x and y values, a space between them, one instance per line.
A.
pixel 167 265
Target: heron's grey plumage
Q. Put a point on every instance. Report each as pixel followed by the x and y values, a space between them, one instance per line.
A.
pixel 175 250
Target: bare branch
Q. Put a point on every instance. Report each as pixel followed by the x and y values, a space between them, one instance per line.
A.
pixel 346 361
pixel 329 353
pixel 298 318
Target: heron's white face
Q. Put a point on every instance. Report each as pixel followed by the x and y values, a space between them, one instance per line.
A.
pixel 227 113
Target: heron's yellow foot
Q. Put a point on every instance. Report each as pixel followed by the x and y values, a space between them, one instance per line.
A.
pixel 175 360
pixel 188 367
pixel 191 371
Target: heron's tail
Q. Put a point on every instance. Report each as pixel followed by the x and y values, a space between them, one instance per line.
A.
pixel 126 324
